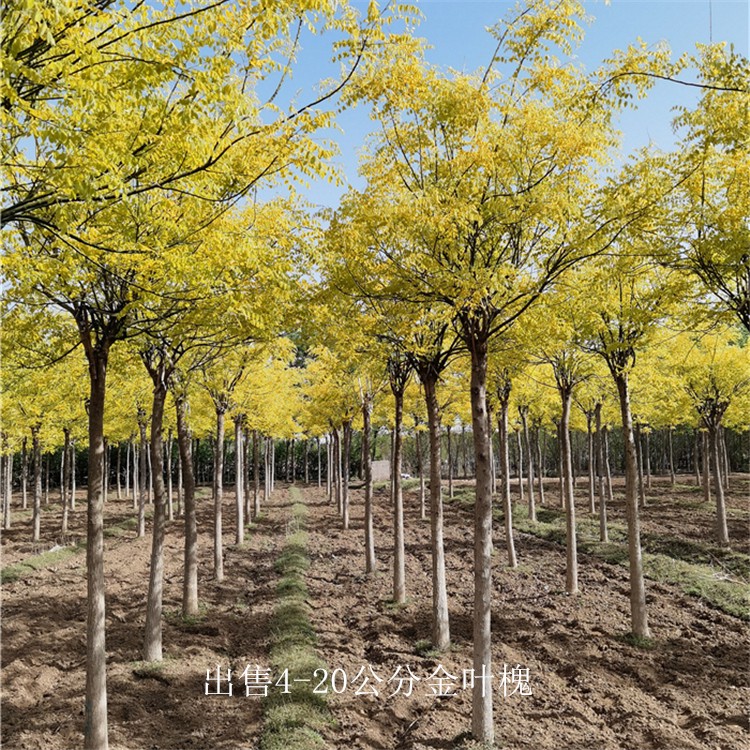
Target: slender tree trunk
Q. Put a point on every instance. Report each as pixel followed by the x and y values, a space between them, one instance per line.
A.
pixel 72 474
pixel 420 469
pixel 639 617
pixel 24 474
pixel 724 458
pixel 639 454
pixel 246 472
pixel 648 459
pixel 603 531
pixel 672 478
pixel 336 448
pixel 180 482
pixel 95 729
pixel 329 468
pixel 440 622
pixel 370 560
pixel 320 468
pixel 152 643
pixel 347 437
pixel 127 470
pixel 46 479
pixel 610 493
pixel 218 492
pixel 399 567
pixel 142 478
pixel 273 465
pixel 119 469
pixel 150 478
pixel 482 725
pixel 256 473
pixel 521 491
pixel 450 462
pixel 502 429
pixel 65 472
pixel 714 439
pixel 4 460
pixel 696 457
pixel 307 460
pixel 706 468
pixel 591 461
pixel 492 450
pixel 540 464
pixel 170 489
pixel 571 573
pixel 239 485
pixel 37 512
pixel 560 461
pixel 185 445
pixel 529 463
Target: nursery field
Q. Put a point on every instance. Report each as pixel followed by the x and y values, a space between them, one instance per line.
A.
pixel 295 597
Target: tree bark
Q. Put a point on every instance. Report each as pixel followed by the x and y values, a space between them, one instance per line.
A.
pixel 37 512
pixel 639 617
pixel 722 532
pixel 347 438
pixel 420 469
pixel 170 489
pixel 142 474
pixel 529 462
pixel 571 573
pixel 482 725
pixel 24 474
pixel 440 621
pixel 502 429
pixel 521 491
pixel 603 530
pixel 591 461
pixel 647 457
pixel 190 573
pixel 218 492
pixel 256 473
pixel 118 470
pixel 95 729
pixel 65 473
pixel 450 461
pixel 540 464
pixel 152 645
pixel 639 454
pixel 399 567
pixel 370 559
pixel 672 478
pixel 239 484
pixel 610 493
pixel 705 452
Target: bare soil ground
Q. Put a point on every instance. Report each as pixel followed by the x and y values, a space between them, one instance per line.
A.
pixel 591 687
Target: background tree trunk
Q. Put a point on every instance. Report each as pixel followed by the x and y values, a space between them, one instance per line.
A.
pixel 502 429
pixel 190 578
pixel 239 484
pixel 37 511
pixel 218 492
pixel 722 532
pixel 529 462
pixel 571 573
pixel 142 474
pixel 347 438
pixel 370 559
pixel 603 531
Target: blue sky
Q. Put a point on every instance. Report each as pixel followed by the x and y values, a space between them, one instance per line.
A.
pixel 456 31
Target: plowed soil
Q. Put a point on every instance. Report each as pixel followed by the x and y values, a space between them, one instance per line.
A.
pixel 591 687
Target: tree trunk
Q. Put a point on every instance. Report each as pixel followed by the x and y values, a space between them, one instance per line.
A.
pixel 696 457
pixel 399 568
pixel 590 448
pixel 529 463
pixel 190 573
pixel 142 477
pixel 127 470
pixel 239 485
pixel 37 512
pixel 329 468
pixel 706 467
pixel 256 473
pixel 24 474
pixel 440 622
pixel 246 472
pixel 610 493
pixel 72 474
pixel 639 455
pixel 218 492
pixel 521 491
pixel 65 472
pixel 648 459
pixel 714 439
pixel 370 560
pixel 420 469
pixel 450 462
pixel 540 464
pixel 307 460
pixel 320 468
pixel 336 448
pixel 603 530
pixel 180 483
pixel 502 430
pixel 4 459
pixel 482 725
pixel 46 478
pixel 672 478
pixel 347 436
pixel 170 489
pixel 152 647
pixel 95 729
pixel 571 572
pixel 638 614
pixel 119 469
pixel 560 470
pixel 725 468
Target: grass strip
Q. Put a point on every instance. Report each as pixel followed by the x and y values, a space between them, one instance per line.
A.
pixel 57 554
pixel 293 720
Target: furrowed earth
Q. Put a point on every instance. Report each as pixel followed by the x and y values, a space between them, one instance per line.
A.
pixel 592 686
